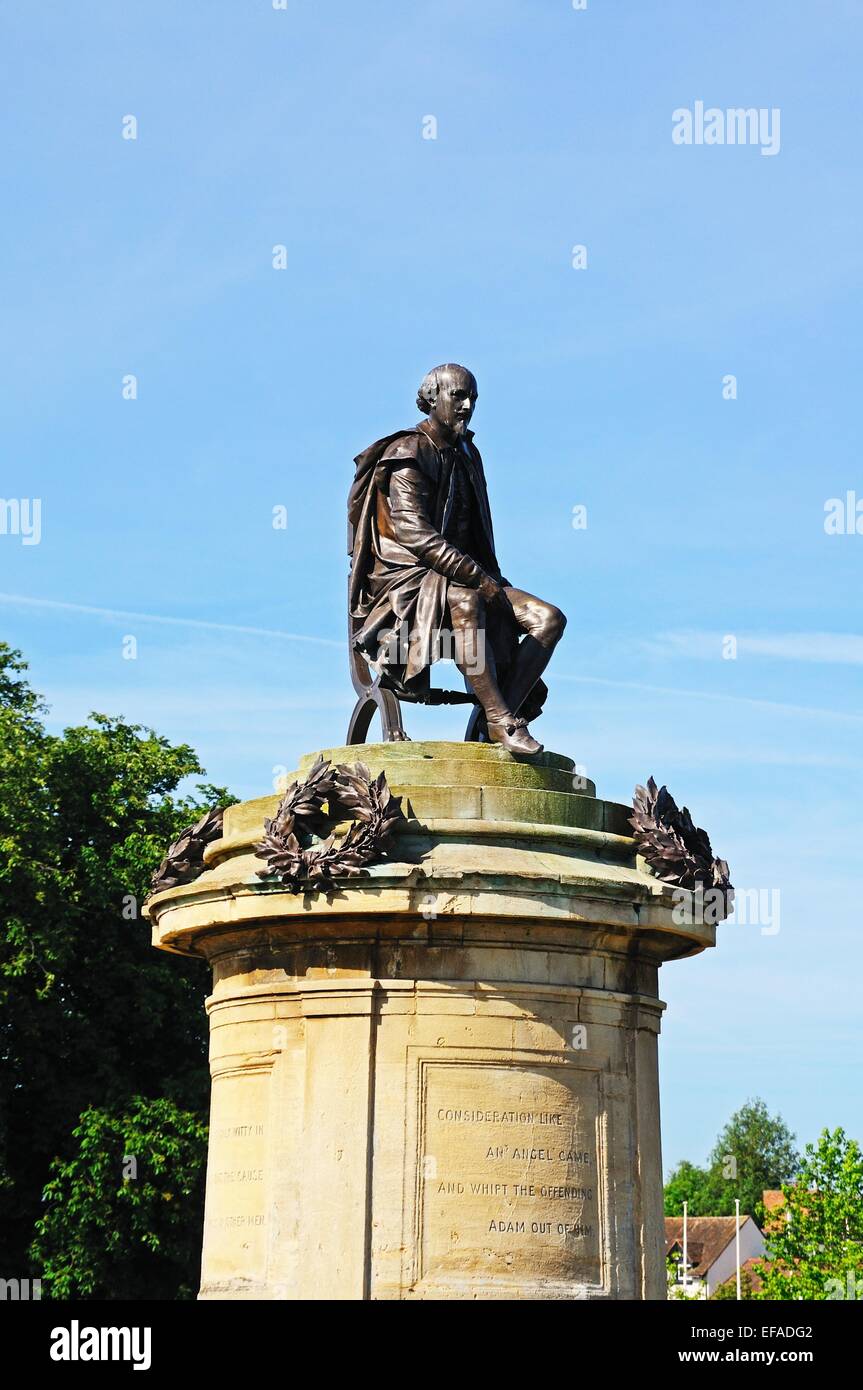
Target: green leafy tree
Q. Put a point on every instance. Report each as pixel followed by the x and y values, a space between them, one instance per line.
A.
pixel 90 1015
pixel 754 1151
pixel 815 1240
pixel 729 1288
pixel 689 1183
pixel 121 1212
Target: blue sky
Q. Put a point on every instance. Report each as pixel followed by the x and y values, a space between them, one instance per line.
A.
pixel 600 387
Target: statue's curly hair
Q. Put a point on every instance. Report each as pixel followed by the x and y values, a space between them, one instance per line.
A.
pixel 430 385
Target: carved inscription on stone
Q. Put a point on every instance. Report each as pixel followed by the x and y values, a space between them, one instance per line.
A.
pixel 236 1177
pixel 509 1177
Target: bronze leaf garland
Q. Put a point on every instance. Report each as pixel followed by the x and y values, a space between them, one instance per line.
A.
pixel 349 793
pixel 676 849
pixel 184 861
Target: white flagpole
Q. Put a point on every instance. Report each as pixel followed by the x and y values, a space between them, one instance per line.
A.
pixel 685 1250
pixel 737 1242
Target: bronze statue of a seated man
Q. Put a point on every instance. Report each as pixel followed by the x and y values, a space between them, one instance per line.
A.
pixel 424 564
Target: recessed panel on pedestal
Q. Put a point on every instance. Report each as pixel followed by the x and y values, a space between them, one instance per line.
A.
pixel 510 1173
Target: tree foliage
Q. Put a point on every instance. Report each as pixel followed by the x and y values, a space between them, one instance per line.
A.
pixel 124 1212
pixel 689 1183
pixel 815 1240
pixel 753 1152
pixel 729 1288
pixel 91 1017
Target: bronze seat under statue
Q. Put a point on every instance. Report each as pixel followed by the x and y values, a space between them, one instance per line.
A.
pixel 424 568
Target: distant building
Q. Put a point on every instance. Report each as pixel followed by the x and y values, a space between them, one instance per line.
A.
pixel 774 1202
pixel 711 1250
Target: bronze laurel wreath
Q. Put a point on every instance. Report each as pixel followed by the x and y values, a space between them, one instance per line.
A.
pixel 676 849
pixel 349 793
pixel 184 861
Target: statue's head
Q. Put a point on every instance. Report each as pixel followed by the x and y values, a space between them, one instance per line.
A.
pixel 448 395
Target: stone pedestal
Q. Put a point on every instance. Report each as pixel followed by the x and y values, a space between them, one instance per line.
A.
pixel 439 1080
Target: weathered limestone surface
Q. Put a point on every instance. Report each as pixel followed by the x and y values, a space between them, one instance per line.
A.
pixel 438 1081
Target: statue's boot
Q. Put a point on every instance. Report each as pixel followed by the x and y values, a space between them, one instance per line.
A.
pixel 530 662
pixel 515 736
pixel 504 727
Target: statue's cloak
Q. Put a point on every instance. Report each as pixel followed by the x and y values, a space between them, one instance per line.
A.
pixel 385 593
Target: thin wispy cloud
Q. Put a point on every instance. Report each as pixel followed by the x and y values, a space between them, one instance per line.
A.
pixel 203 624
pixel 676 692
pixel 833 648
pixel 701 644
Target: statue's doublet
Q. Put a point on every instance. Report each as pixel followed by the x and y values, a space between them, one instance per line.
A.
pixel 410 491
